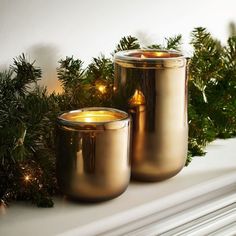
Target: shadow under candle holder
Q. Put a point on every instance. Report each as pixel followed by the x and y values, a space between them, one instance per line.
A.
pixel 45 56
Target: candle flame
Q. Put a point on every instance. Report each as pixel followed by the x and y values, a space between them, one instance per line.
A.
pixel 161 54
pixel 154 54
pixel 91 116
pixel 88 119
pixel 137 99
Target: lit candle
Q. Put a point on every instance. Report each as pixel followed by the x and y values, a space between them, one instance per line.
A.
pixel 92 116
pixel 148 54
pixel 93 153
pixel 152 86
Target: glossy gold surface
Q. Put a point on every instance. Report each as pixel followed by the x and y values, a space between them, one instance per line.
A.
pixel 153 89
pixel 93 155
pixel 144 54
pixel 92 116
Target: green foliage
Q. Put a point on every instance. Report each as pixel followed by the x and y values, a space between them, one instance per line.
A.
pixel 171 43
pixel 127 43
pixel 212 91
pixel 26 74
pixel 174 42
pixel 101 68
pixel 81 86
pixel 28 113
pixel 206 61
pixel 100 74
pixel 70 73
pixel 25 133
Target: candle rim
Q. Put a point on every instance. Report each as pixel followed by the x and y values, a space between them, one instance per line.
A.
pixel 80 124
pixel 127 59
pixel 129 55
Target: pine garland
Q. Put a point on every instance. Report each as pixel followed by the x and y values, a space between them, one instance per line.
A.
pixel 28 112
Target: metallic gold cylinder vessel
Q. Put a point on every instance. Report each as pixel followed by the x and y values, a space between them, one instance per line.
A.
pixel 152 86
pixel 93 153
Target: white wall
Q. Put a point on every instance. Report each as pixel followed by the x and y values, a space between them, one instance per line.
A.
pixel 48 30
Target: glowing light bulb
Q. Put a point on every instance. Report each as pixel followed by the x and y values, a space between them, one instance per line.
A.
pixel 102 88
pixel 27 178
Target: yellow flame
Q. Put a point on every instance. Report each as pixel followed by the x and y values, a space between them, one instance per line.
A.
pixel 161 54
pixel 88 119
pixel 137 99
pixel 154 55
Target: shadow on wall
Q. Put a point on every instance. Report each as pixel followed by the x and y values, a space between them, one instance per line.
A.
pixel 46 57
pixel 4 67
pixel 144 38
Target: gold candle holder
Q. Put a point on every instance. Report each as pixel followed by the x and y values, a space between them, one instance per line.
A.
pixel 152 86
pixel 93 153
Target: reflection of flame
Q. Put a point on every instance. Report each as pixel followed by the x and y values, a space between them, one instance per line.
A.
pixel 137 99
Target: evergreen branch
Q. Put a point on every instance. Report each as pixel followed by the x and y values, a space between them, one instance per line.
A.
pixel 70 72
pixel 173 43
pixel 155 46
pixel 206 61
pixel 230 53
pixel 26 74
pixel 23 135
pixel 127 43
pixel 100 68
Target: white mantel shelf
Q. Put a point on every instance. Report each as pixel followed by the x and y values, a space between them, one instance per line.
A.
pixel 200 200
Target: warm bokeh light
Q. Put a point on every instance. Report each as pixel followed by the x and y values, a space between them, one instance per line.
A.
pixel 27 178
pixel 102 88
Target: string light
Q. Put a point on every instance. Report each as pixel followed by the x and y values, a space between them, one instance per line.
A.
pixel 27 178
pixel 102 88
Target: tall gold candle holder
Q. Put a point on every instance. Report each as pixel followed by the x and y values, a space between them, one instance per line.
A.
pixel 93 153
pixel 152 86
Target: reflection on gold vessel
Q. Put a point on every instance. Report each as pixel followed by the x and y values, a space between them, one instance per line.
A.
pixel 152 86
pixel 93 153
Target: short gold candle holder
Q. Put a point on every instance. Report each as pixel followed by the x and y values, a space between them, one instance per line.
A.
pixel 152 86
pixel 93 153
